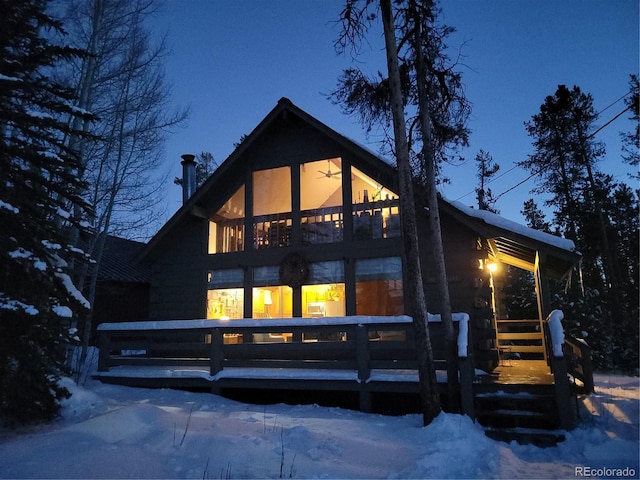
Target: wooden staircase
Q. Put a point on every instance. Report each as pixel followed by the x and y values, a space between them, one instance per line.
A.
pixel 518 402
pixel 524 413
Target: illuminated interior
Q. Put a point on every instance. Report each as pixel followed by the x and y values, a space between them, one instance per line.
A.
pixel 379 297
pixel 375 208
pixel 226 227
pixel 321 201
pixel 379 291
pixel 225 303
pixel 272 207
pixel 375 212
pixel 326 300
pixel 272 302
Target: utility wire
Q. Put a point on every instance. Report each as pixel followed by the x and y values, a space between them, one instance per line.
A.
pixel 538 173
pixel 614 102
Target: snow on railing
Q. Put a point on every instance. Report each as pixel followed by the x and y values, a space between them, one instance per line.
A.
pixel 554 321
pixel 461 318
pixel 463 330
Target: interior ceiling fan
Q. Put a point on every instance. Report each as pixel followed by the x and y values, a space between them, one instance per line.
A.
pixel 329 173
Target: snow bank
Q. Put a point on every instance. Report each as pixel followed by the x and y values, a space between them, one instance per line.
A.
pixel 109 431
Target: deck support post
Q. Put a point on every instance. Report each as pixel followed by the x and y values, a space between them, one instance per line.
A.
pixel 103 351
pixel 467 374
pixel 566 414
pixel 216 351
pixel 362 353
pixel 364 398
pixel 364 371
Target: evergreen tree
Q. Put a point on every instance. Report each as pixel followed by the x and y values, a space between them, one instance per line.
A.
pixel 38 190
pixel 631 140
pixel 534 217
pixel 368 96
pixel 486 169
pixel 205 166
pixel 600 216
pixel 426 87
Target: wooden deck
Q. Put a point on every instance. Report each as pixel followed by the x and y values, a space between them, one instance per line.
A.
pixel 519 372
pixel 366 356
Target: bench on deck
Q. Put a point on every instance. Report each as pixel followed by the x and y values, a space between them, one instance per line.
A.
pixel 357 353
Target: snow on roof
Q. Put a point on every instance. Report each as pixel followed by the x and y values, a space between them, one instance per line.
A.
pixel 497 221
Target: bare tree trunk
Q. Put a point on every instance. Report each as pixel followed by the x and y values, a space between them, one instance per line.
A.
pixel 414 287
pixel 433 213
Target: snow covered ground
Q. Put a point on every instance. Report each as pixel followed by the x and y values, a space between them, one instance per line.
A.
pixel 117 432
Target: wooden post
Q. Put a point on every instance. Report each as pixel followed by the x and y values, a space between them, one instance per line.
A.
pixel 362 353
pixel 467 374
pixel 362 362
pixel 216 351
pixel 587 368
pixel 566 413
pixel 104 351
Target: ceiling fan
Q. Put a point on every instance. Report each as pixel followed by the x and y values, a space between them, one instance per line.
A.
pixel 329 173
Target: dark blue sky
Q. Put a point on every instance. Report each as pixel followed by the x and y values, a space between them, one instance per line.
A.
pixel 232 60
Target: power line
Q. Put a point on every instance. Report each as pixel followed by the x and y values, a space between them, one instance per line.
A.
pixel 538 173
pixel 614 102
pixel 609 122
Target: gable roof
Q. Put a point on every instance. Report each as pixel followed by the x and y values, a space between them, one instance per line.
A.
pixel 516 244
pixel 284 111
pixel 511 242
pixel 117 264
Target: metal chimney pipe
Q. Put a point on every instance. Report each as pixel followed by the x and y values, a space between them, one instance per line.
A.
pixel 188 176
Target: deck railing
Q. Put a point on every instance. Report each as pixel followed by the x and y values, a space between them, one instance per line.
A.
pixel 520 339
pixel 568 359
pixel 360 353
pixel 578 357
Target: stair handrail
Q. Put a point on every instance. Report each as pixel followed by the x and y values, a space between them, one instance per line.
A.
pixel 579 362
pixel 558 364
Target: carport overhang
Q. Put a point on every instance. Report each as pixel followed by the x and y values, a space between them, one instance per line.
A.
pixel 518 245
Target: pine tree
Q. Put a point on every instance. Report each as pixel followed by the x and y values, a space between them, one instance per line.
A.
pixel 631 140
pixel 486 169
pixel 600 216
pixel 428 88
pixel 38 189
pixel 206 164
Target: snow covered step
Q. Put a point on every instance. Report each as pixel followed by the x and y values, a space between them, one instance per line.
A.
pixel 527 436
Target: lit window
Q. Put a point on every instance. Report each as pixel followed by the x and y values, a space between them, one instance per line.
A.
pixel 321 201
pixel 375 208
pixel 226 227
pixel 225 303
pixel 379 287
pixel 225 296
pixel 270 299
pixel 323 300
pixel 324 297
pixel 272 207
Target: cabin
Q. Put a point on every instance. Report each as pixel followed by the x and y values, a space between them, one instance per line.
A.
pixel 294 243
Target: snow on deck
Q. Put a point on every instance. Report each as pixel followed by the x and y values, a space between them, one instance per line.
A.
pixel 399 375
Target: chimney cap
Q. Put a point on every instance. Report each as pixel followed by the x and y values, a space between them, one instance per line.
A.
pixel 187 158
